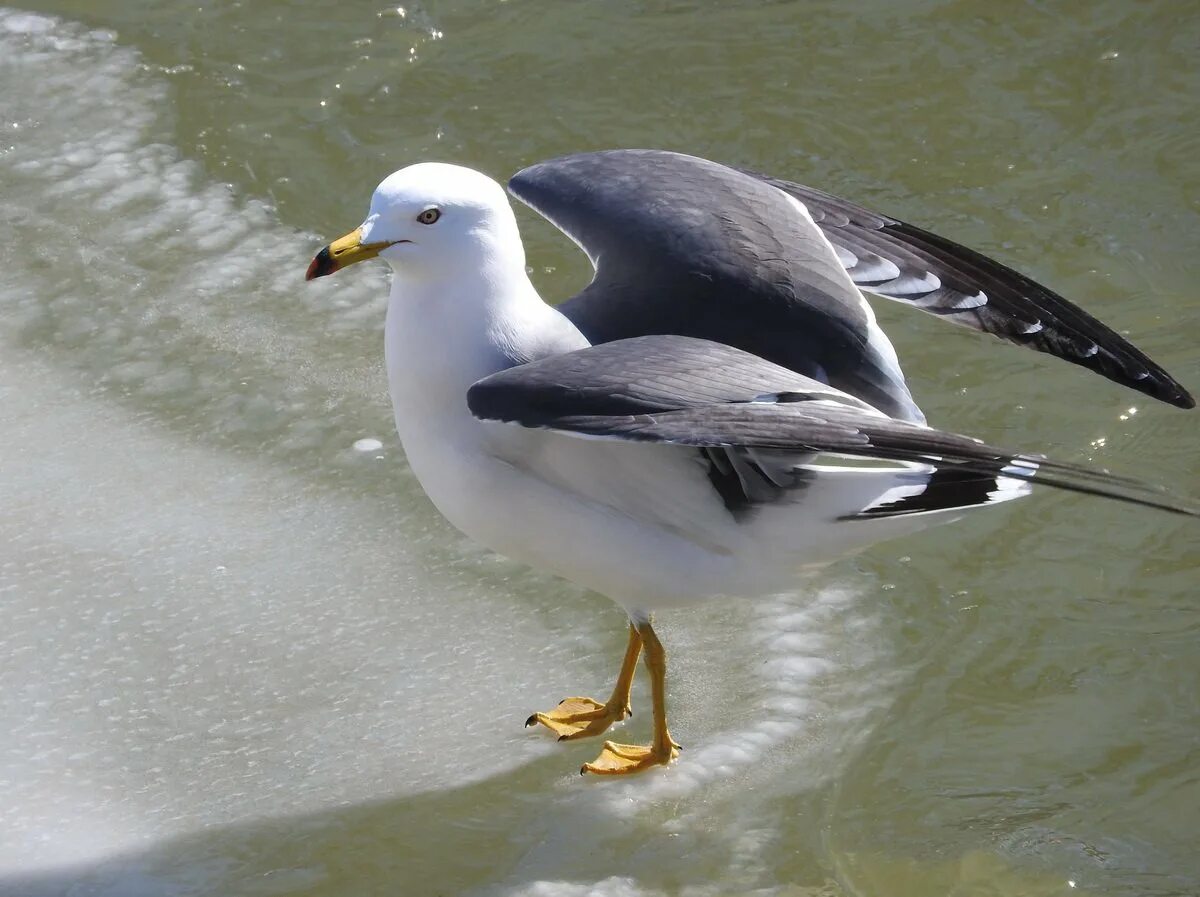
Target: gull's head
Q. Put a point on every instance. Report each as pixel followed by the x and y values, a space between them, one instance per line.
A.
pixel 430 220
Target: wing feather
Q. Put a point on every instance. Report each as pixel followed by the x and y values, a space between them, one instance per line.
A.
pixel 683 245
pixel 683 391
pixel 966 287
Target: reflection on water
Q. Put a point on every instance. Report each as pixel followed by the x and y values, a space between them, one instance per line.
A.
pixel 241 654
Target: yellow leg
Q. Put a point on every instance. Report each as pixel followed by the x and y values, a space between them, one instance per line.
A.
pixel 584 717
pixel 622 759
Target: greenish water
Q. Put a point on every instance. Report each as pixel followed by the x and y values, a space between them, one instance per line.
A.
pixel 240 657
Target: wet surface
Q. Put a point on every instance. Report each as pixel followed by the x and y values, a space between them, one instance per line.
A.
pixel 240 652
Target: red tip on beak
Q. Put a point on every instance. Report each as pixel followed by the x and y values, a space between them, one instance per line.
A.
pixel 321 265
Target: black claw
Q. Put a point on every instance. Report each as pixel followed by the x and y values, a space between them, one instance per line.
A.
pixel 562 737
pixel 532 721
pixel 563 701
pixel 583 770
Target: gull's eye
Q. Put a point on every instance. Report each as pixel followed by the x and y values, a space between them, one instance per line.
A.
pixel 429 216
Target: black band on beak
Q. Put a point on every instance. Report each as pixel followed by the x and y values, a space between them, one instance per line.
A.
pixel 321 265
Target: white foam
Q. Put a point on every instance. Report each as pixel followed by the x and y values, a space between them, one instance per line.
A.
pixel 192 636
pixel 97 193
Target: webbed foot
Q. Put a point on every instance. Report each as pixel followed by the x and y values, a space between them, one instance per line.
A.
pixel 580 717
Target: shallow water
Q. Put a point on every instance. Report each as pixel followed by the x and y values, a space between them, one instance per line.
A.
pixel 241 656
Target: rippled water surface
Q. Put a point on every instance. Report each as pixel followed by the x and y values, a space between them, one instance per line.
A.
pixel 241 656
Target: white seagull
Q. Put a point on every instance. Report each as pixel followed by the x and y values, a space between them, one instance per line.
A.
pixel 717 410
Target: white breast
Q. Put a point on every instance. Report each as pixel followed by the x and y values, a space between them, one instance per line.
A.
pixel 638 523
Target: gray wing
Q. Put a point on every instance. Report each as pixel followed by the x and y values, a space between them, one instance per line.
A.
pixel 682 245
pixel 697 393
pixel 899 261
pixel 686 246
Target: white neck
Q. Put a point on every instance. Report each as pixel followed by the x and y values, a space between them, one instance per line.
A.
pixel 446 328
pixel 437 340
pixel 444 333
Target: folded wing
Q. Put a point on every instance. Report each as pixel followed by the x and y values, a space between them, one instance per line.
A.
pixel 684 391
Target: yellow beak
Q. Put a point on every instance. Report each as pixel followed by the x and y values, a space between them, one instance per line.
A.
pixel 342 252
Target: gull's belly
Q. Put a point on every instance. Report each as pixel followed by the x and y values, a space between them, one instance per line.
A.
pixel 638 523
pixel 641 522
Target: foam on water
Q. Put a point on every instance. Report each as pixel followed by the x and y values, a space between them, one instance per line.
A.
pixel 195 635
pixel 170 660
pixel 139 257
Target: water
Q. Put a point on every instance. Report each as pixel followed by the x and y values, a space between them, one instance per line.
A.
pixel 242 655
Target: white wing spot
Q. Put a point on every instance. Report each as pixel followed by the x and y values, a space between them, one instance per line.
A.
pixel 911 284
pixel 1021 467
pixel 874 269
pixel 968 302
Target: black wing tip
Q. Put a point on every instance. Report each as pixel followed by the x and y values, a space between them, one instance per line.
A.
pixel 1118 360
pixel 1074 328
pixel 1180 398
pixel 1151 381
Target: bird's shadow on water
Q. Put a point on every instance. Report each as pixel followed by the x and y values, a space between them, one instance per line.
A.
pixel 445 842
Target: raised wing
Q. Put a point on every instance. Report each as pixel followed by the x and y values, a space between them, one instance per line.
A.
pixel 684 391
pixel 682 245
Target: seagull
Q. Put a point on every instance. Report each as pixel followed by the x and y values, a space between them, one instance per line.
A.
pixel 717 410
